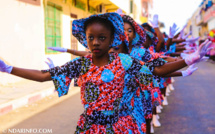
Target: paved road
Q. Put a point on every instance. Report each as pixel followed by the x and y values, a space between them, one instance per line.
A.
pixel 61 118
pixel 191 108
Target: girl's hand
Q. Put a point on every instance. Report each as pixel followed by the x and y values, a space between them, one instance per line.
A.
pixel 173 30
pixel 50 63
pixel 191 40
pixel 198 55
pixel 189 70
pixel 154 22
pixel 182 32
pixel 60 49
pixel 4 67
pixel 184 55
pixel 186 36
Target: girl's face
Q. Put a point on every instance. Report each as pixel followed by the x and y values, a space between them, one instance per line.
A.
pixel 99 39
pixel 129 31
pixel 148 42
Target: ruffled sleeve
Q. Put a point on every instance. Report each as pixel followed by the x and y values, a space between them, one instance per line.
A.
pixel 63 75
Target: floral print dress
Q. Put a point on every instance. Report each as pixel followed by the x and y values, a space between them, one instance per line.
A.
pixel 153 59
pixel 102 92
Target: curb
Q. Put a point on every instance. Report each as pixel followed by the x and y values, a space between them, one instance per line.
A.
pixel 8 120
pixel 28 99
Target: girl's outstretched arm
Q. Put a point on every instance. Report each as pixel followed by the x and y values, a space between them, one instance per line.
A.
pixel 189 60
pixel 189 71
pixel 174 74
pixel 169 43
pixel 161 42
pixel 155 25
pixel 71 51
pixel 78 53
pixel 172 30
pixel 35 75
pixel 169 68
pixel 170 59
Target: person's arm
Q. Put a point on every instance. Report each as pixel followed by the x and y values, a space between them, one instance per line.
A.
pixel 176 36
pixel 168 43
pixel 178 40
pixel 172 31
pixel 155 25
pixel 71 51
pixel 78 53
pixel 170 59
pixel 161 43
pixel 35 75
pixel 190 40
pixel 169 68
pixel 180 44
pixel 182 32
pixel 189 71
pixel 189 60
pixel 30 74
pixel 174 74
pixel 178 49
pixel 176 54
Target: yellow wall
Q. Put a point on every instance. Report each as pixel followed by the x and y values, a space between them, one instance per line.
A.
pixel 123 4
pixel 67 8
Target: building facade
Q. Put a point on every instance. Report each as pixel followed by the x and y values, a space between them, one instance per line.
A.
pixel 28 27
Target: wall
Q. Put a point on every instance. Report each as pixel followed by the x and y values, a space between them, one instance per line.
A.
pixel 211 24
pixel 22 36
pixel 123 4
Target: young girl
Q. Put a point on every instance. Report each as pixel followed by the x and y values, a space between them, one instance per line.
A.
pixel 101 76
pixel 136 37
pixel 133 98
pixel 137 97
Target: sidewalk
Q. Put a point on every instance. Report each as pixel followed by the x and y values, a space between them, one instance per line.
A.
pixel 25 92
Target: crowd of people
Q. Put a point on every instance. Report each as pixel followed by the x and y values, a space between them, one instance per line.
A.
pixel 125 77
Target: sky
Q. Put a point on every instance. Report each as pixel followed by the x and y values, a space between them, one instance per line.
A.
pixel 174 11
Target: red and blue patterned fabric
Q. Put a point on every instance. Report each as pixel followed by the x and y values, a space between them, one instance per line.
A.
pixel 152 60
pixel 143 54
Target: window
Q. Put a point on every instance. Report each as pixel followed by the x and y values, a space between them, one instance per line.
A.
pixel 79 4
pixel 74 44
pixel 131 6
pixel 52 26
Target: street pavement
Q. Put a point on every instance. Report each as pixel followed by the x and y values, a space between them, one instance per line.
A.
pixel 60 118
pixel 191 108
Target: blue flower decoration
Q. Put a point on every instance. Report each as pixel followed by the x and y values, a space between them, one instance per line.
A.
pixel 126 60
pixel 155 94
pixel 86 106
pixel 107 75
pixel 146 95
pixel 108 113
